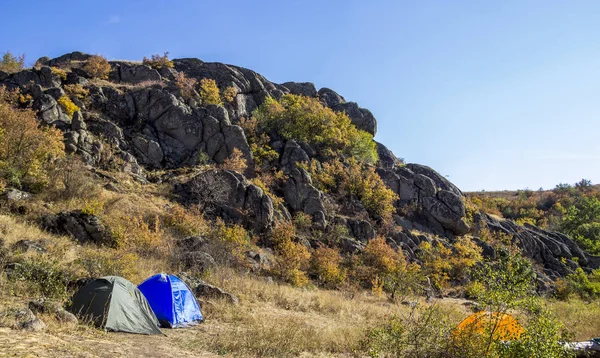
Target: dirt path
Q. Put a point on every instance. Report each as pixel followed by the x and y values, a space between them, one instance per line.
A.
pixel 73 344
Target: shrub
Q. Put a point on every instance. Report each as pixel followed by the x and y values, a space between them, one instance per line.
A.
pixel 186 85
pixel 77 91
pixel 209 92
pixel 579 283
pixel 306 119
pixel 229 94
pixel 69 179
pixel 97 67
pixel 27 150
pixel 43 276
pixel 235 161
pixel 228 243
pixel 292 258
pixel 109 262
pixel 357 181
pixel 185 221
pixel 157 61
pixel 424 333
pixel 259 142
pixel 325 266
pixel 68 106
pixel 62 74
pixel 140 236
pixel 11 63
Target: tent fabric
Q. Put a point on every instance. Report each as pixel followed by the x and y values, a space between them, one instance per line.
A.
pixel 171 300
pixel 115 304
pixel 505 326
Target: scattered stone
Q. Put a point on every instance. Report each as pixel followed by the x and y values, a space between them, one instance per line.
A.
pixel 14 195
pixel 28 245
pixel 206 290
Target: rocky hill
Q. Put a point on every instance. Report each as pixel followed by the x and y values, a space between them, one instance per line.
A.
pixel 157 133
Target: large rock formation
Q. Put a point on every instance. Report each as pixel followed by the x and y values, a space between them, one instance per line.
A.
pixel 140 120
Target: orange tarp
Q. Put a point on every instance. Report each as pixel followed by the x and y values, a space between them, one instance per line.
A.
pixel 504 326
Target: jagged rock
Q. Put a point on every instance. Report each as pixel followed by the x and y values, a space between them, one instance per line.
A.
pixel 181 132
pixel 3 75
pixel 553 251
pixel 350 246
pixel 149 151
pixel 28 245
pixel 82 227
pixel 127 72
pixel 301 88
pixel 68 58
pixel 33 325
pixel 330 97
pixel 301 195
pixel 387 159
pixel 251 87
pixel 362 230
pixel 47 108
pixel 14 195
pixel 360 117
pixel 206 290
pixel 55 92
pixel 198 261
pixel 229 195
pixel 292 154
pixel 78 123
pixel 441 202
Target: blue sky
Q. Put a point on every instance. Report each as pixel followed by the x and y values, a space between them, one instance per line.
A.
pixel 493 94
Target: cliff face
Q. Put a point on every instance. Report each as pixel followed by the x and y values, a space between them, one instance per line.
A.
pixel 141 115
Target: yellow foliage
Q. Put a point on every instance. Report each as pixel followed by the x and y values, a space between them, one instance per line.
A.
pixel 108 261
pixel 185 221
pixel 229 94
pixel 97 67
pixel 292 257
pixel 26 150
pixel 235 161
pixel 381 257
pixel 229 242
pixel 68 106
pixel 209 92
pixel 442 263
pixel 140 236
pixel 77 90
pixel 358 181
pixel 307 119
pixel 325 265
pixel 59 72
pixel 157 61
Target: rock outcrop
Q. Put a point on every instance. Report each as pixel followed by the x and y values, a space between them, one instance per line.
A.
pixel 555 252
pixel 441 201
pixel 229 195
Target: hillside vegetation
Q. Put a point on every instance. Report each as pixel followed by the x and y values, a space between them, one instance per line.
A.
pixel 324 241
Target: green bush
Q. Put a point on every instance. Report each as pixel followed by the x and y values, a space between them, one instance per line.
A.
pixel 306 119
pixel 42 276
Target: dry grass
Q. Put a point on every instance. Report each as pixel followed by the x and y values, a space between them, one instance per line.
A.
pixel 581 319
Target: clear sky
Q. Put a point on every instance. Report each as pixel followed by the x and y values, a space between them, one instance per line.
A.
pixel 493 94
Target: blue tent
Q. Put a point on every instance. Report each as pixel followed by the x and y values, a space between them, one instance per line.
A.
pixel 171 300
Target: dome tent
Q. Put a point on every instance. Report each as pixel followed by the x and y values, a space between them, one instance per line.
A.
pixel 115 304
pixel 172 301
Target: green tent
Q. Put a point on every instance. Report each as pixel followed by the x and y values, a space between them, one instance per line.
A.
pixel 115 304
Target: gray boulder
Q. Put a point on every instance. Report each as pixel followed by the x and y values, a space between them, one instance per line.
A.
pixel 360 229
pixel 301 88
pixel 127 72
pixel 292 154
pixel 228 194
pixel 301 195
pixel 205 290
pixel 84 228
pixel 360 117
pixel 14 195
